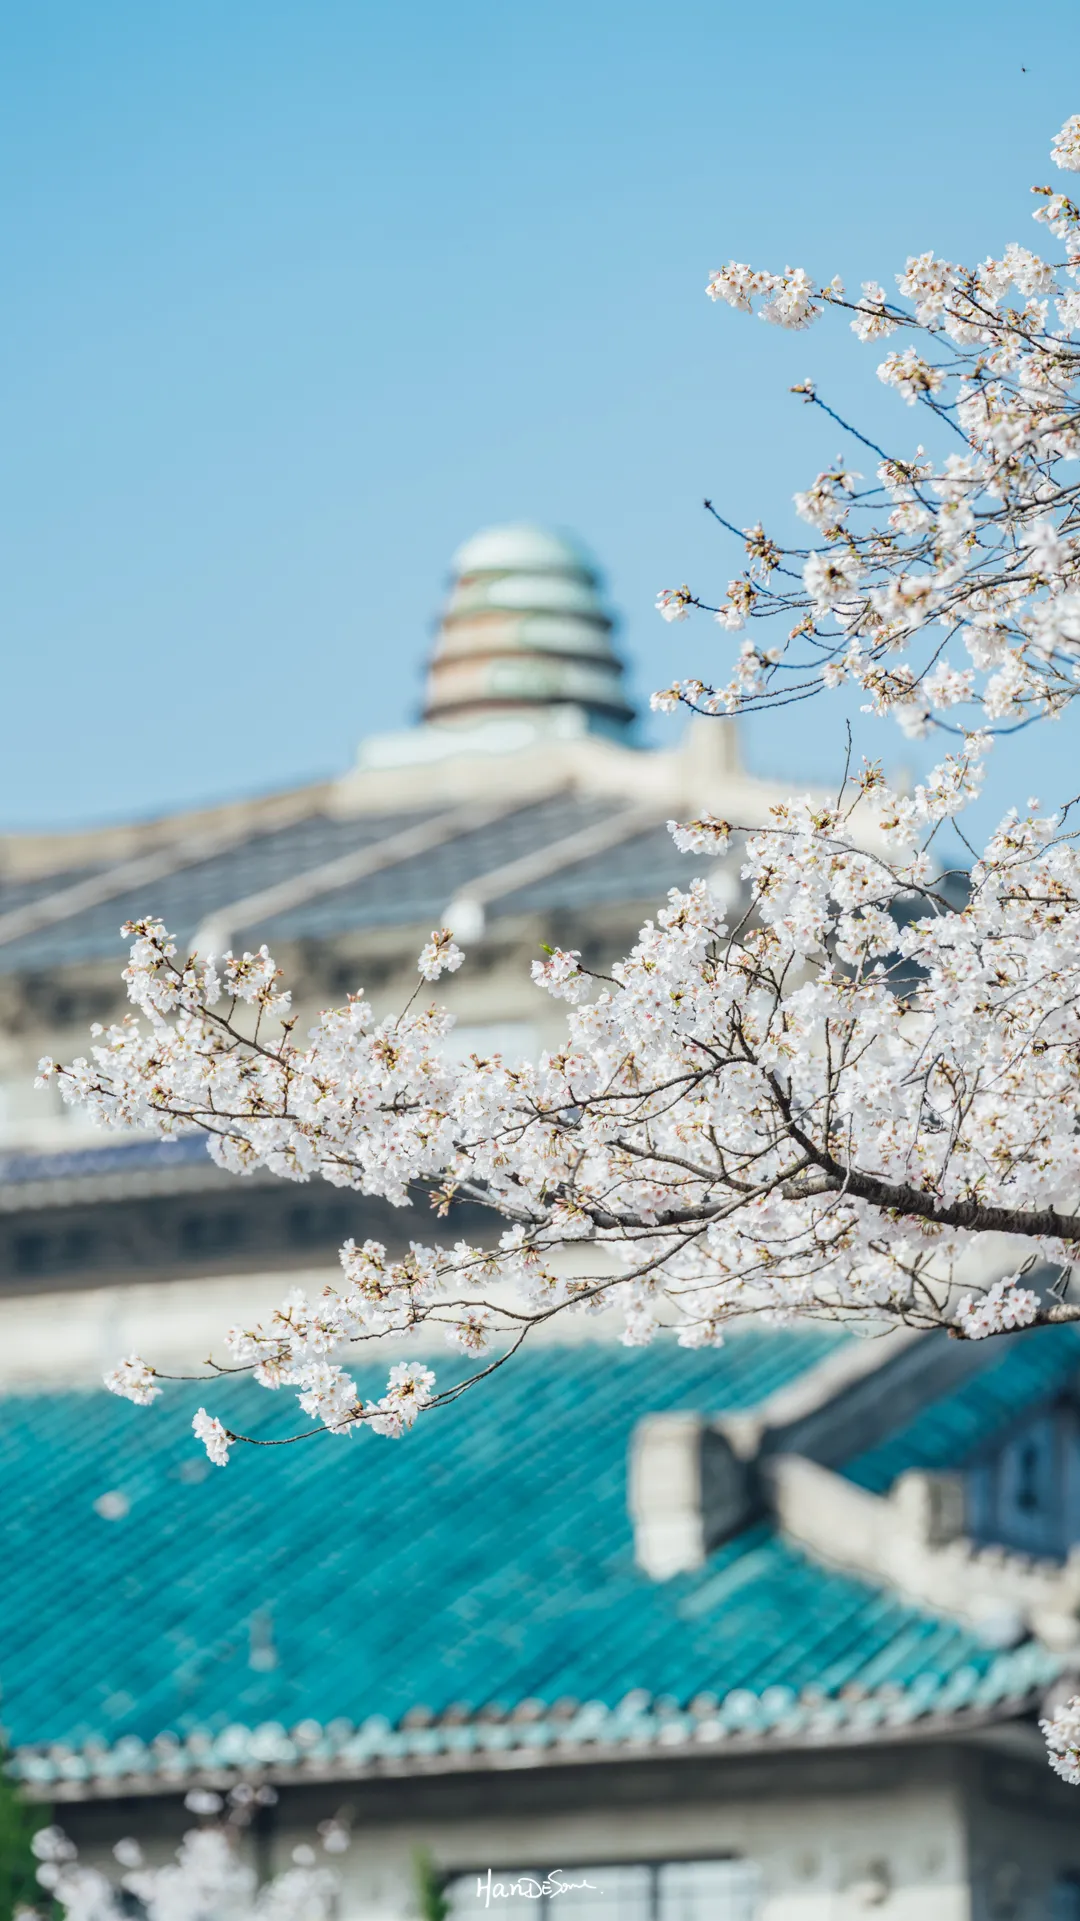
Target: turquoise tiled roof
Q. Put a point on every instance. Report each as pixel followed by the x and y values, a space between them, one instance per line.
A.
pixel 1020 1371
pixel 338 1586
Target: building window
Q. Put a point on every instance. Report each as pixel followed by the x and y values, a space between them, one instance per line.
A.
pixel 207 1235
pixel 649 1891
pixel 44 1253
pixel 1026 1495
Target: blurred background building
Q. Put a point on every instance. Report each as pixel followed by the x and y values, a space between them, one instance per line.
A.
pixel 751 1635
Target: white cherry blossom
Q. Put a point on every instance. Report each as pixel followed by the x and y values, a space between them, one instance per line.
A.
pixel 981 543
pixel 1062 1734
pixel 441 955
pixel 1066 148
pixel 134 1381
pixel 813 1110
pixel 561 975
pixel 673 603
pixel 206 1876
pixel 823 1102
pixel 215 1438
pixel 1001 1308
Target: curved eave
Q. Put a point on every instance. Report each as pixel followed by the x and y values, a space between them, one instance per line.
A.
pixel 594 1735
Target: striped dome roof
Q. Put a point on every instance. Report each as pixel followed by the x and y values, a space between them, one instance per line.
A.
pixel 525 628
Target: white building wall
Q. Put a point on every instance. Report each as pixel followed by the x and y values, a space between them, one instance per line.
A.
pixel 821 1858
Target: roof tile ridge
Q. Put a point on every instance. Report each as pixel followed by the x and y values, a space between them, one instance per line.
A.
pixel 585 1733
pixel 897 1540
pixel 813 1390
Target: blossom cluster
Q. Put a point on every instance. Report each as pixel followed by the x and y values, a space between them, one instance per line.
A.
pixel 562 976
pixel 976 545
pixel 206 1876
pixel 822 1109
pixel 1002 1307
pixel 440 956
pixel 1061 1731
pixel 812 1112
pixel 134 1381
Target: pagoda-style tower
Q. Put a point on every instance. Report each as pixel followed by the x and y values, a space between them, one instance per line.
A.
pixel 525 631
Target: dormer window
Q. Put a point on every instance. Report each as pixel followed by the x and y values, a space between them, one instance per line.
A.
pixel 1026 1494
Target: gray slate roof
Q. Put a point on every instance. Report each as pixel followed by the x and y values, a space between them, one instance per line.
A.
pixel 417 890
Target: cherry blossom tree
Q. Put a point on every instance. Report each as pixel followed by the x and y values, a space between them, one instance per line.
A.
pixel 206 1876
pixel 844 1100
pixel 972 541
pixel 853 1098
pixel 819 1109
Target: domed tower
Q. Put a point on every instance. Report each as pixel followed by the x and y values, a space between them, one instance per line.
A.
pixel 525 631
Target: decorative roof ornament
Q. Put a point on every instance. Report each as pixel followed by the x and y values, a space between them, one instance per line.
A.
pixel 525 631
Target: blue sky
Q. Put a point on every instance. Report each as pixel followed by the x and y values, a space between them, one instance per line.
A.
pixel 297 297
